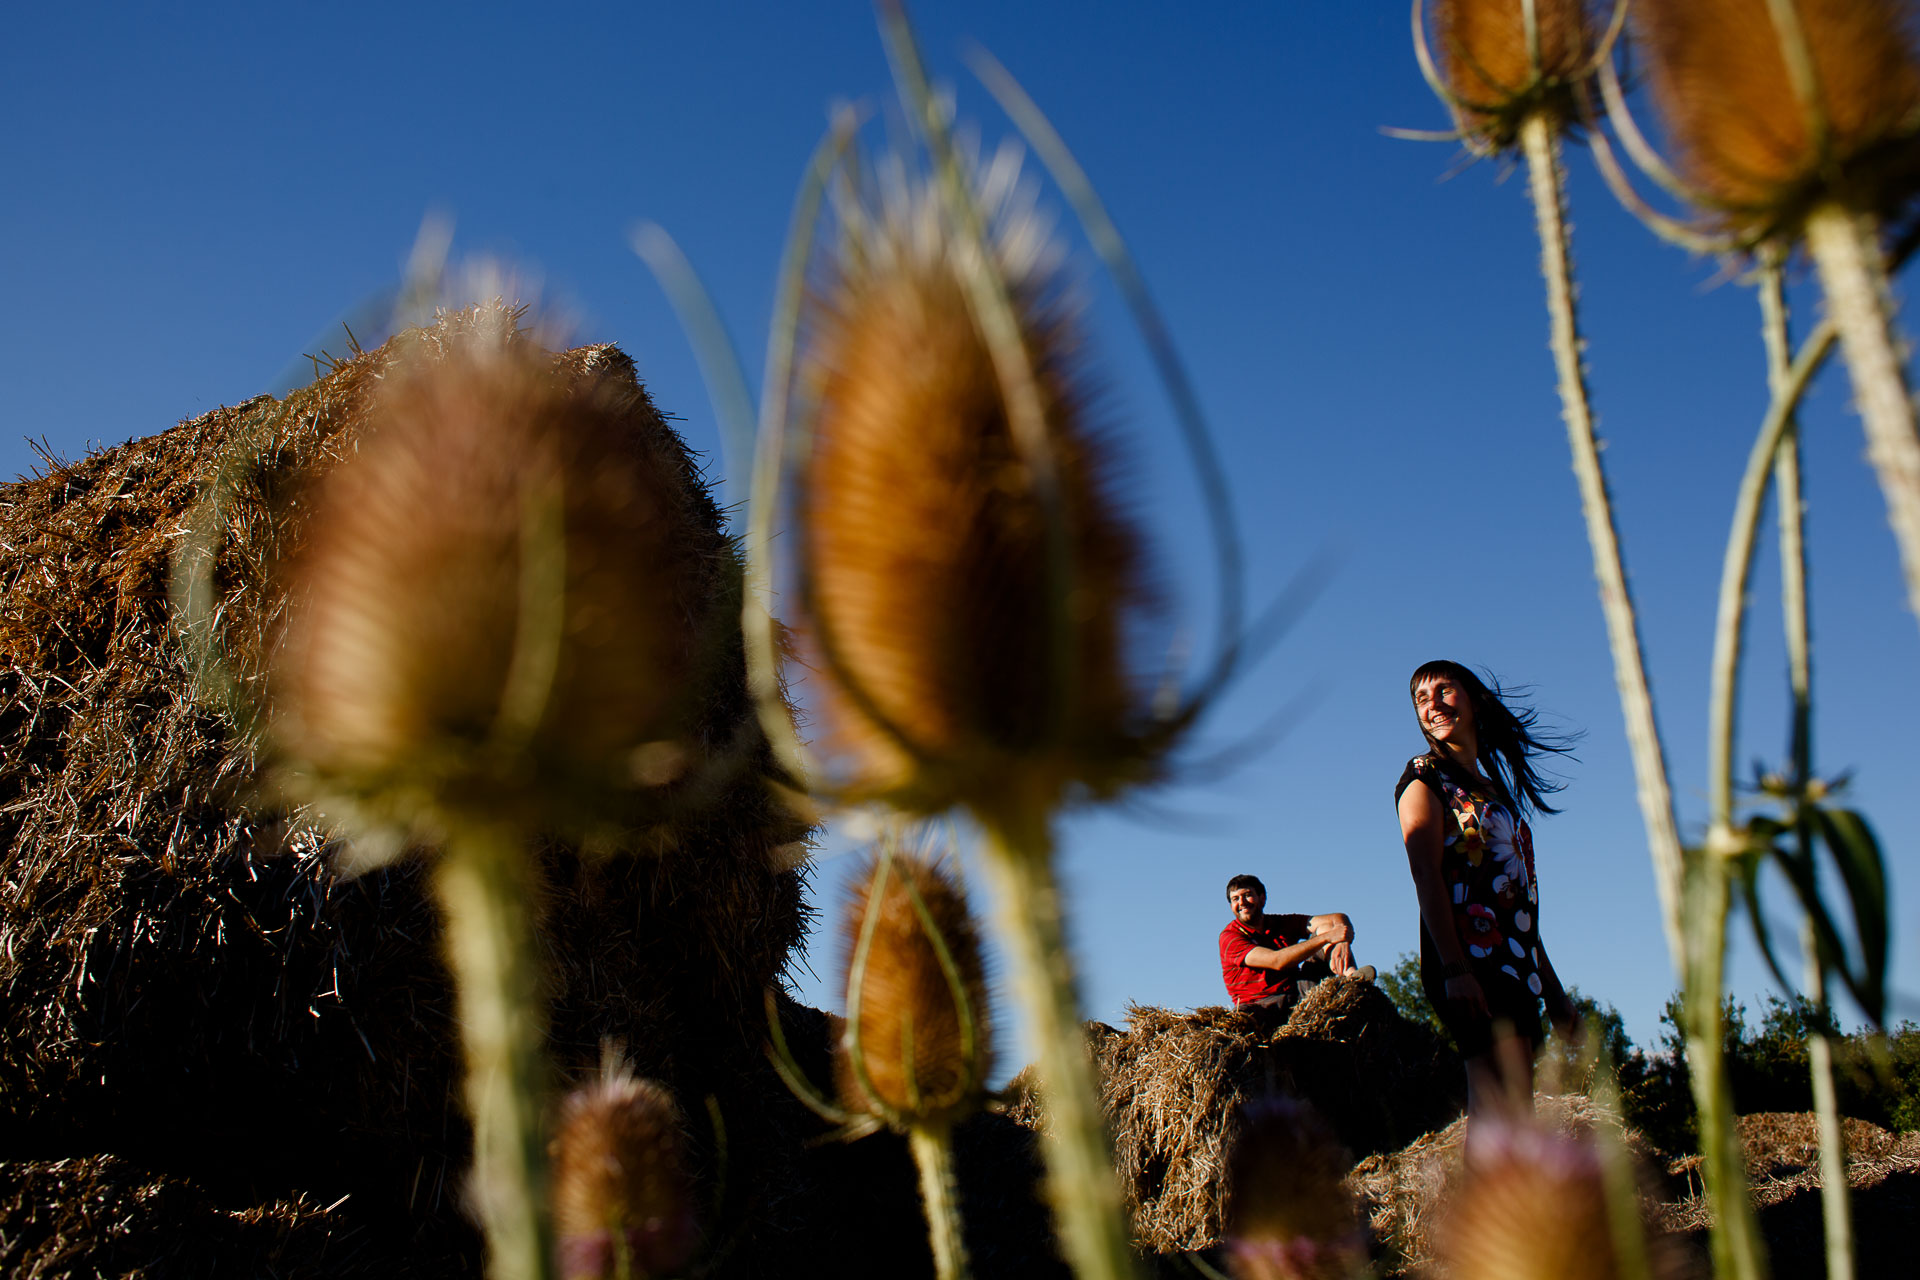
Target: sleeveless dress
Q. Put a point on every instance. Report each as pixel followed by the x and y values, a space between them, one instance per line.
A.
pixel 1487 868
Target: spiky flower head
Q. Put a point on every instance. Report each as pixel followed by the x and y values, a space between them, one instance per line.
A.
pixel 1497 74
pixel 1529 1203
pixel 501 595
pixel 918 1022
pixel 621 1199
pixel 1761 156
pixel 928 591
pixel 1290 1215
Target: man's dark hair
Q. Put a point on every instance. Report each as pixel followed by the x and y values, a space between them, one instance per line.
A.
pixel 1246 882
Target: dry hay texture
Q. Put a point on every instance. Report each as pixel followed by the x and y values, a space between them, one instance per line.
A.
pixel 201 1021
pixel 1173 1083
pixel 1403 1191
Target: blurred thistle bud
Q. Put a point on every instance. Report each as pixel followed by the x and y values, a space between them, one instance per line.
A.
pixel 964 662
pixel 1494 74
pixel 500 600
pixel 1760 150
pixel 1529 1203
pixel 621 1198
pixel 919 1023
pixel 1290 1215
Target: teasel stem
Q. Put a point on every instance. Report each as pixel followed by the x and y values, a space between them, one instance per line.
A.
pixel 1834 1187
pixel 1736 1240
pixel 1540 142
pixel 1080 1179
pixel 1845 248
pixel 1735 1233
pixel 486 883
pixel 1836 1192
pixel 932 1147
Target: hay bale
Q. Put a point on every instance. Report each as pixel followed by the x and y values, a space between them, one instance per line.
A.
pixel 185 982
pixel 1172 1084
pixel 1401 1191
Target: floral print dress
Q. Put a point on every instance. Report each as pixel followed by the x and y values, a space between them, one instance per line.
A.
pixel 1487 867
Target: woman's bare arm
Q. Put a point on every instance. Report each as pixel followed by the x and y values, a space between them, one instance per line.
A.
pixel 1423 826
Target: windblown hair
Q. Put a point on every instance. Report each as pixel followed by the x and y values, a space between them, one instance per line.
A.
pixel 1510 739
pixel 1741 131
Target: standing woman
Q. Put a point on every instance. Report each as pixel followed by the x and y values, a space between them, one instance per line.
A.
pixel 1463 808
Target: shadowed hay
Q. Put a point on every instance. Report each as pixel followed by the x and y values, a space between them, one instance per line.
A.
pixel 186 982
pixel 1738 127
pixel 1402 1191
pixel 1173 1085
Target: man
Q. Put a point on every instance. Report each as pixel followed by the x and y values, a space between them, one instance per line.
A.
pixel 1271 961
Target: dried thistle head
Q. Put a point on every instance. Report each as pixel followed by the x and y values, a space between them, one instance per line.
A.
pixel 925 550
pixel 1529 1203
pixel 922 1060
pixel 501 594
pixel 1741 132
pixel 1490 67
pixel 619 1185
pixel 1290 1215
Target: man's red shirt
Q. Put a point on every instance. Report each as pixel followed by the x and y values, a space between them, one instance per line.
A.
pixel 1246 983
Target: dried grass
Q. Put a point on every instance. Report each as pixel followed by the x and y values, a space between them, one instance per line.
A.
pixel 1173 1085
pixel 185 981
pixel 1403 1191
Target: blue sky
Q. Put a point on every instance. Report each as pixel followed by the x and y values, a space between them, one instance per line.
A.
pixel 194 199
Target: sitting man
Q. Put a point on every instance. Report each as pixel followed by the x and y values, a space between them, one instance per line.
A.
pixel 1271 961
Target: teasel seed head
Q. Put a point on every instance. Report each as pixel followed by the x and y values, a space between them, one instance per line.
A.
pixel 922 1061
pixel 1489 66
pixel 925 537
pixel 620 1188
pixel 1528 1203
pixel 1741 131
pixel 1290 1215
pixel 500 598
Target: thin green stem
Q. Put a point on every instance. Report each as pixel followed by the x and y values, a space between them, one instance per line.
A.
pixel 1845 247
pixel 1737 1252
pixel 1834 1188
pixel 1080 1178
pixel 1541 145
pixel 1836 1192
pixel 932 1147
pixel 486 884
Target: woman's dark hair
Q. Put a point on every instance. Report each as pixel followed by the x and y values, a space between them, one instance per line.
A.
pixel 1509 738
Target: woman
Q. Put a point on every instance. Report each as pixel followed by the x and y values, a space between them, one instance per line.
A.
pixel 1463 809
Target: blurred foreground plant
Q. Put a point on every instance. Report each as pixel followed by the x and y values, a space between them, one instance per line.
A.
pixel 622 1208
pixel 494 631
pixel 918 1043
pixel 966 578
pixel 1291 1215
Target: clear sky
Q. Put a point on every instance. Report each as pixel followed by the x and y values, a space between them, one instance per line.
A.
pixel 196 197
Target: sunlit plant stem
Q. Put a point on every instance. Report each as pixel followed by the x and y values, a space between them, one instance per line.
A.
pixel 1845 247
pixel 1080 1178
pixel 1834 1188
pixel 1539 140
pixel 485 885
